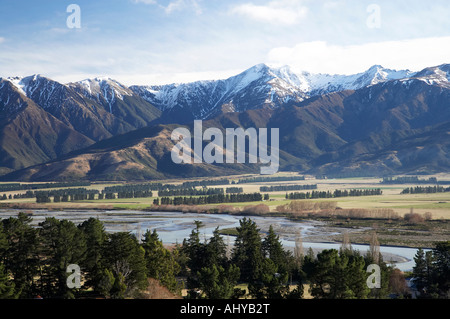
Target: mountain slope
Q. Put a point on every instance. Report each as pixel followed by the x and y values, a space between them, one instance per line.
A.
pixel 391 126
pixel 143 154
pixel 30 135
pixel 258 87
pixel 42 119
pixel 118 101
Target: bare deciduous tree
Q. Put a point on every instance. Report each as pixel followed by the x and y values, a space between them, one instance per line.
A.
pixel 374 249
pixel 298 251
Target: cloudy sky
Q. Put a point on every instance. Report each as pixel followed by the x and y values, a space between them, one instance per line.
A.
pixel 166 41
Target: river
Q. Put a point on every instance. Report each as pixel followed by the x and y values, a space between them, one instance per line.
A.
pixel 173 227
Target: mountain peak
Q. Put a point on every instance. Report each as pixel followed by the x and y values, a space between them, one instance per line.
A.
pixel 439 75
pixel 260 67
pixel 104 86
pixel 27 84
pixel 376 67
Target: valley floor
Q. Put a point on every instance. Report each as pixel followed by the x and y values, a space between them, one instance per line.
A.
pixel 422 232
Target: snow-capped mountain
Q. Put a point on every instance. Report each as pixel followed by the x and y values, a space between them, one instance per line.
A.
pixel 379 121
pixel 102 89
pixel 324 83
pixel 258 87
pixel 48 114
pixel 439 75
pixel 42 90
pixel 254 88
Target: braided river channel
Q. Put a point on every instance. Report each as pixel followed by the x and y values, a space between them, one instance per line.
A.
pixel 174 227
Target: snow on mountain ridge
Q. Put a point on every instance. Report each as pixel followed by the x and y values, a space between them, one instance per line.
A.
pixel 439 75
pixel 38 88
pixel 107 87
pixel 259 86
pixel 26 85
pixel 256 87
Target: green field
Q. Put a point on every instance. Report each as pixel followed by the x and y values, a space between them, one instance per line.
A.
pixel 438 204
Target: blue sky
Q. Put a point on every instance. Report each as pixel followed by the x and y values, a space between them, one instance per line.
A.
pixel 156 41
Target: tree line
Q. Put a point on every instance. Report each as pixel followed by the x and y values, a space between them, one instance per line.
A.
pixel 209 182
pixel 213 269
pixel 71 194
pixel 278 188
pixel 335 194
pixel 432 272
pixel 34 261
pixel 408 180
pixel 7 187
pixel 263 179
pixel 425 190
pixel 190 192
pixel 238 190
pixel 65 195
pixel 210 199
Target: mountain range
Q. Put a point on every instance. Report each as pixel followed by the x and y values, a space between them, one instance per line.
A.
pixel 258 87
pixel 377 122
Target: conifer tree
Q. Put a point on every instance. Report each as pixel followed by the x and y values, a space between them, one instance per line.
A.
pixel 420 270
pixel 62 244
pixel 247 252
pixel 441 253
pixel 95 236
pixel 216 282
pixel 21 257
pixel 160 262
pixel 6 285
pixel 126 259
pixel 216 250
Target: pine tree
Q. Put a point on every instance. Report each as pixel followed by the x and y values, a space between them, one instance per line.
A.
pixel 216 282
pixel 216 250
pixel 357 276
pixel 119 287
pixel 273 249
pixel 420 270
pixel 3 244
pixel 6 285
pixel 21 258
pixel 195 249
pixel 247 252
pixel 62 244
pixel 95 236
pixel 338 276
pixel 126 258
pixel 160 262
pixel 441 254
pixel 271 284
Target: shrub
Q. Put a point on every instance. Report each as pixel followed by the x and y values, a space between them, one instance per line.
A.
pixel 414 218
pixel 260 209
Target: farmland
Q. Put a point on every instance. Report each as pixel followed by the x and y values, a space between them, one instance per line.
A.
pixel 415 220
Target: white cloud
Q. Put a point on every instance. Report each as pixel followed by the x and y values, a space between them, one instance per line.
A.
pixel 179 5
pixel 175 5
pixel 279 12
pixel 322 57
pixel 145 1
